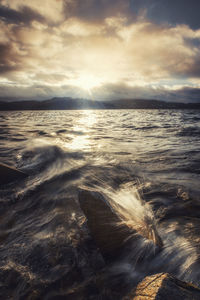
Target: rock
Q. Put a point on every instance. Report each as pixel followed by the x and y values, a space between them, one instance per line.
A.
pixel 9 174
pixel 163 287
pixel 104 224
pixel 111 232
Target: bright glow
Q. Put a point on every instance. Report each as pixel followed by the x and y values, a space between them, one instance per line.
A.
pixel 80 138
pixel 95 59
pixel 87 82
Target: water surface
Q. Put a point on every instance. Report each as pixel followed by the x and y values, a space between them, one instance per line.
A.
pixel 46 247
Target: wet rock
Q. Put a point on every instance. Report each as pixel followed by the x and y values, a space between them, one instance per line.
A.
pixel 9 174
pixel 163 287
pixel 105 226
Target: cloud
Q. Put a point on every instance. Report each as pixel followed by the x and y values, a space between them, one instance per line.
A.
pixel 52 10
pixel 39 92
pixel 168 12
pixel 26 15
pixel 105 92
pixel 94 48
pixel 95 10
pixel 187 94
pixel 7 63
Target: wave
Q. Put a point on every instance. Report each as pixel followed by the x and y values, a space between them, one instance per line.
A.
pixel 163 245
pixel 38 154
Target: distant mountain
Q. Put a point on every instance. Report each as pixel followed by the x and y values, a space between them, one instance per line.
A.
pixel 70 103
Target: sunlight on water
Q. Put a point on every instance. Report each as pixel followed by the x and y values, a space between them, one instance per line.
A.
pixel 79 141
pixel 81 136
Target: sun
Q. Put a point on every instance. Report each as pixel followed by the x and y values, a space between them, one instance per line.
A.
pixel 87 82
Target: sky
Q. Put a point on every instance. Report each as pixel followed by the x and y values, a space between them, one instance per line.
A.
pixel 100 49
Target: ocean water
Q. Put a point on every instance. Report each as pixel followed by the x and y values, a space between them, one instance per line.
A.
pixel 148 161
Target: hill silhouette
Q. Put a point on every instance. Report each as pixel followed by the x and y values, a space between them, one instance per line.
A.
pixel 67 103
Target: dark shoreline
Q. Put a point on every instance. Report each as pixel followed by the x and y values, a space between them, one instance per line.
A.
pixel 81 104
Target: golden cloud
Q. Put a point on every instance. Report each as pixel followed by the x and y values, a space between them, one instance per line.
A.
pixel 88 54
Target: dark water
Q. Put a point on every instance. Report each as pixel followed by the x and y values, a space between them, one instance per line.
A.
pixel 46 251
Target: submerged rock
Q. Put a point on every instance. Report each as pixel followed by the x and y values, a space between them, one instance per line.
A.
pixel 9 174
pixel 104 224
pixel 163 287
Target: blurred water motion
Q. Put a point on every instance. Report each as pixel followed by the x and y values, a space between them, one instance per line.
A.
pixel 46 247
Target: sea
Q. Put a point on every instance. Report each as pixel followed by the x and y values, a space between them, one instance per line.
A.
pixel 148 161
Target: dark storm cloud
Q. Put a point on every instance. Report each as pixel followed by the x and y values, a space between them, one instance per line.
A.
pixel 189 94
pixel 169 11
pixel 123 91
pixel 26 15
pixel 185 94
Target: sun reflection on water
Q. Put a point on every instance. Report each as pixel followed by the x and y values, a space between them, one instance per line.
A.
pixel 80 138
